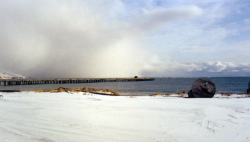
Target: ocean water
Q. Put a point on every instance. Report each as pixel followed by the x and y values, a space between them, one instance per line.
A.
pixel 159 85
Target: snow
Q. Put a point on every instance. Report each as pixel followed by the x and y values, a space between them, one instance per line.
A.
pixel 48 117
pixel 8 75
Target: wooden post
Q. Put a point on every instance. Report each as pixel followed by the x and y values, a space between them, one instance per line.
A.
pixel 248 90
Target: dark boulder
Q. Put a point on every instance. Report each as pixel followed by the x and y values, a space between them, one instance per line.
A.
pixel 202 88
pixel 190 94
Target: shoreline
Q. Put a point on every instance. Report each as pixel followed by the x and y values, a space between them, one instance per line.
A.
pixel 109 92
pixel 163 86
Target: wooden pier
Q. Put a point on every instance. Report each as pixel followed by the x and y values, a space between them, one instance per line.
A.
pixel 7 82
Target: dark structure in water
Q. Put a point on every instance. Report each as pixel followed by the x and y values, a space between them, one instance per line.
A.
pixel 9 91
pixel 248 90
pixel 202 88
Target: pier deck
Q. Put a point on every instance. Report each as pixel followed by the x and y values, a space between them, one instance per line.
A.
pixel 7 82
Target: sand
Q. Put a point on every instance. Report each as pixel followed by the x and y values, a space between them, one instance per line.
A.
pixel 48 117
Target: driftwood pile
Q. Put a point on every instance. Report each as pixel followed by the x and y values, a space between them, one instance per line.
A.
pixel 77 90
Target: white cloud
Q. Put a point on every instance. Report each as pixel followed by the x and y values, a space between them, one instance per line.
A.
pixel 160 16
pixel 205 69
pixel 247 21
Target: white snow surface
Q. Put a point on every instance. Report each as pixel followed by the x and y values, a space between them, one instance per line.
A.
pixel 8 75
pixel 48 117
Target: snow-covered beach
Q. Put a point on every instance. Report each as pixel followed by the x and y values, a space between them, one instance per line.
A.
pixel 47 117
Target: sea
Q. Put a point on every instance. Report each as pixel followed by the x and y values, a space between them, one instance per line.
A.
pixel 164 85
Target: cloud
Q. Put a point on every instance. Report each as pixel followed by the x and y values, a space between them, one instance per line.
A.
pixel 247 21
pixel 81 38
pixel 78 38
pixel 57 39
pixel 198 69
pixel 151 19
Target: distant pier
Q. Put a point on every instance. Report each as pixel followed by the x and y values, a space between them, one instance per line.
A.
pixel 7 82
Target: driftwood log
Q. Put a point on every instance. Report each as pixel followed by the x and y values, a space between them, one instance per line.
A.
pixel 202 88
pixel 9 90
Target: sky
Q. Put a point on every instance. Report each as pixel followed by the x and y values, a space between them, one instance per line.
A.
pixel 125 38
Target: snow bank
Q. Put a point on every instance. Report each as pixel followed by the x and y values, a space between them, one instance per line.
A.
pixel 8 75
pixel 29 116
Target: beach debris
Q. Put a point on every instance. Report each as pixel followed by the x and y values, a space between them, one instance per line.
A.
pixel 77 90
pixel 182 94
pixel 202 88
pixel 156 94
pixel 248 90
